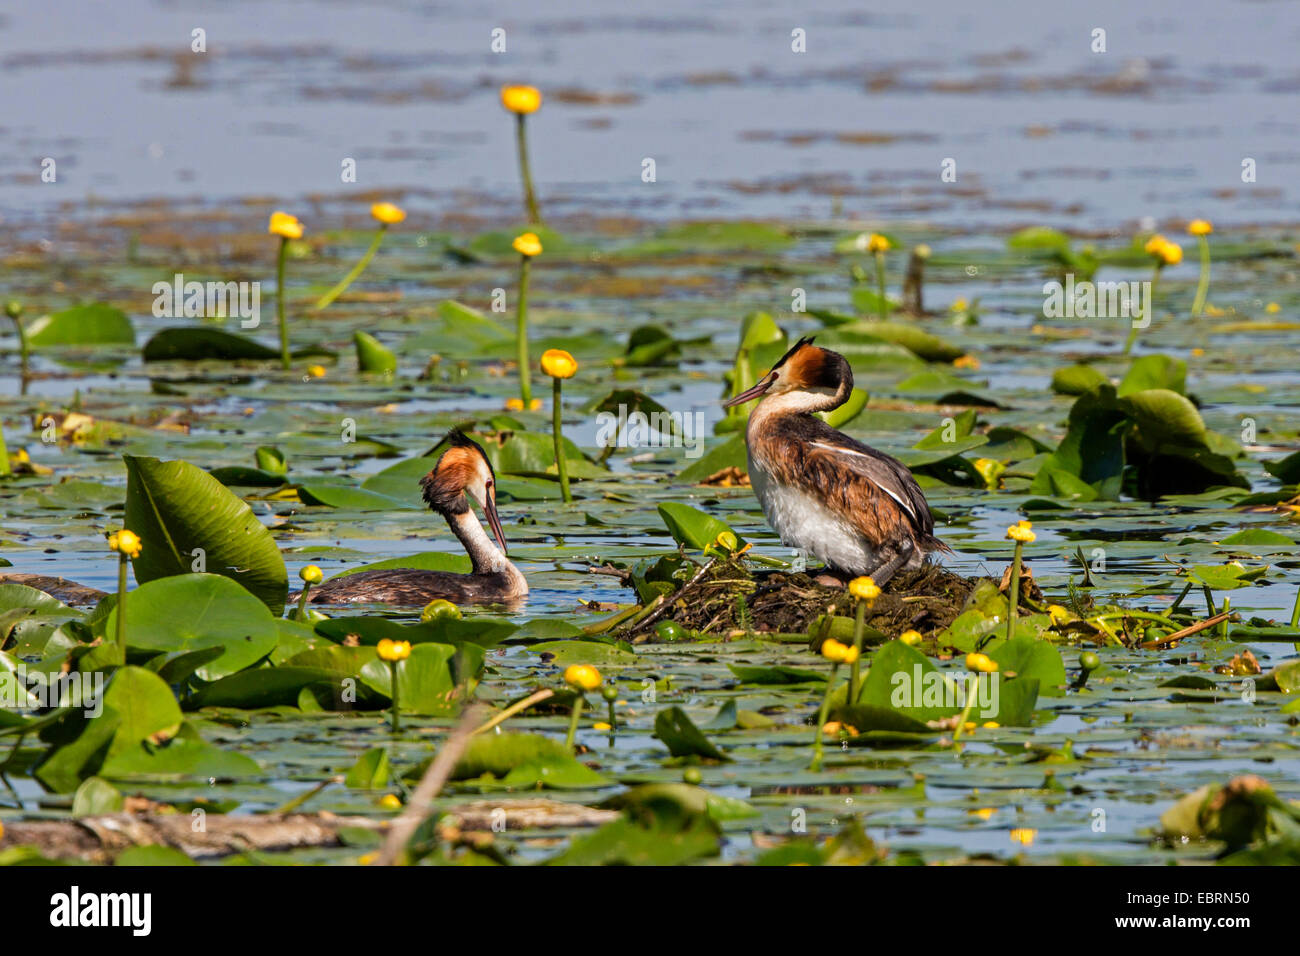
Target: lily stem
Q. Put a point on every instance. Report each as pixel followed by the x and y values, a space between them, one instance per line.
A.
pixel 1203 284
pixel 302 601
pixel 121 604
pixel 972 689
pixel 525 171
pixel 521 324
pixel 880 285
pixel 821 719
pixel 573 721
pixel 1150 312
pixel 859 626
pixel 395 717
pixel 561 465
pixel 1013 594
pixel 360 267
pixel 279 304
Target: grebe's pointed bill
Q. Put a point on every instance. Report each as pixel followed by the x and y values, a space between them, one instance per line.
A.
pixel 490 509
pixel 768 380
pixel 749 395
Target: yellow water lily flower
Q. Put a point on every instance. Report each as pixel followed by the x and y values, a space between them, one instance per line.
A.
pixel 601 725
pixel 311 574
pixel 1272 308
pixel 878 243
pixel 528 244
pixel 1020 532
pixel 582 676
pixel 981 663
pixel 1200 227
pixel 1168 253
pixel 316 371
pixel 558 363
pixel 910 638
pixel 1057 613
pixel 390 801
pixel 126 542
pixel 393 651
pixel 864 588
pixel 284 225
pixel 387 213
pixel 521 99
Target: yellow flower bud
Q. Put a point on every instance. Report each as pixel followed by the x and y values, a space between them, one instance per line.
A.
pixel 316 371
pixel 878 243
pixel 838 652
pixel 864 589
pixel 601 725
pixel 910 638
pixel 981 663
pixel 393 651
pixel 1200 227
pixel 558 363
pixel 521 99
pixel 438 609
pixel 126 542
pixel 1168 253
pixel 390 801
pixel 311 574
pixel 285 226
pixel 387 213
pixel 582 677
pixel 528 244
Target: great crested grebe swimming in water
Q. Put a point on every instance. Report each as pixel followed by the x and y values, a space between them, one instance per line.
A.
pixel 857 509
pixel 462 474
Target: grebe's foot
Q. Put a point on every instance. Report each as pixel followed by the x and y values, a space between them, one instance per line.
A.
pixel 895 558
pixel 831 579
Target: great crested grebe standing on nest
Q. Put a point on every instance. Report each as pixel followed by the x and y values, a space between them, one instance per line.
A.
pixel 461 475
pixel 855 508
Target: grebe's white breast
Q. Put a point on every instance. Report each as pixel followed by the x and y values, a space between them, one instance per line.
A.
pixel 803 521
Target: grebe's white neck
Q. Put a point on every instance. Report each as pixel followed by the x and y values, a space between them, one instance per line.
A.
pixel 484 555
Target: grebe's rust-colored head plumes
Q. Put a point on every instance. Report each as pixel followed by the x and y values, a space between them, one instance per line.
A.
pixel 463 470
pixel 823 377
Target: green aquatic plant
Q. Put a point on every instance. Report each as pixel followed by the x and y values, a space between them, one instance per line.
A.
pixel 288 228
pixel 523 101
pixel 386 214
pixel 1201 229
pixel 582 678
pixel 1165 253
pixel 527 245
pixel 560 365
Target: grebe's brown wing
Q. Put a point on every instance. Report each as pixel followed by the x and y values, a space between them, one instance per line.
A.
pixel 874 491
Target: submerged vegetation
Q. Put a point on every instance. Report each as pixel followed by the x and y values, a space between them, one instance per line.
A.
pixel 1136 619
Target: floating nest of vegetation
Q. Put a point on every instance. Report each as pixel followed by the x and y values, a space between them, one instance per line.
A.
pixel 730 598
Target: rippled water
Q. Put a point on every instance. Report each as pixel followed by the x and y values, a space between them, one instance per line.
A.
pixel 1040 127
